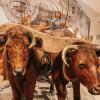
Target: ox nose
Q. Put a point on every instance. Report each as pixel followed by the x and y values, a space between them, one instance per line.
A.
pixel 19 72
pixel 95 90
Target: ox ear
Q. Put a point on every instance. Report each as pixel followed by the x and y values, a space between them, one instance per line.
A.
pixel 69 55
pixel 71 52
pixel 67 70
pixel 3 40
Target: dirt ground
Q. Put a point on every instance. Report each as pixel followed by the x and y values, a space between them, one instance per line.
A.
pixel 42 91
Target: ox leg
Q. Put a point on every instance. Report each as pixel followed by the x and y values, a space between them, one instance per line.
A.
pixel 57 78
pixel 76 90
pixel 30 91
pixel 16 94
pixel 5 75
pixel 61 90
pixel 29 83
pixel 15 91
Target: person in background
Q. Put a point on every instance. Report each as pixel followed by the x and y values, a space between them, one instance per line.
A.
pixel 57 21
pixel 52 24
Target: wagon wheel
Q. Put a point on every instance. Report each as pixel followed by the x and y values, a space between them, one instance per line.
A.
pixel 14 9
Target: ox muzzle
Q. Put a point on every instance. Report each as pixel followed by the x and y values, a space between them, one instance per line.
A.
pixel 19 72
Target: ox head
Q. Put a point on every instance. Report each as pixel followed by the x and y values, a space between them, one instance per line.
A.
pixel 83 63
pixel 17 49
pixel 17 56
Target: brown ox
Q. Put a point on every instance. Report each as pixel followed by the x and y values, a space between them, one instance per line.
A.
pixel 22 65
pixel 80 66
pixel 76 63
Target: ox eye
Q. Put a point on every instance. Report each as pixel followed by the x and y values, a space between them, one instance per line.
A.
pixel 82 65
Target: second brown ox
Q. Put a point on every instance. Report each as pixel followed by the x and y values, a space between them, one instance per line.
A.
pixel 80 66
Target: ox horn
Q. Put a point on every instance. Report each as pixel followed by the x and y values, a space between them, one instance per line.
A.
pixel 33 43
pixel 31 33
pixel 26 29
pixel 2 48
pixel 64 58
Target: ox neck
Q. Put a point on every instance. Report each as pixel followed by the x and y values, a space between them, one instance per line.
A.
pixel 74 79
pixel 72 76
